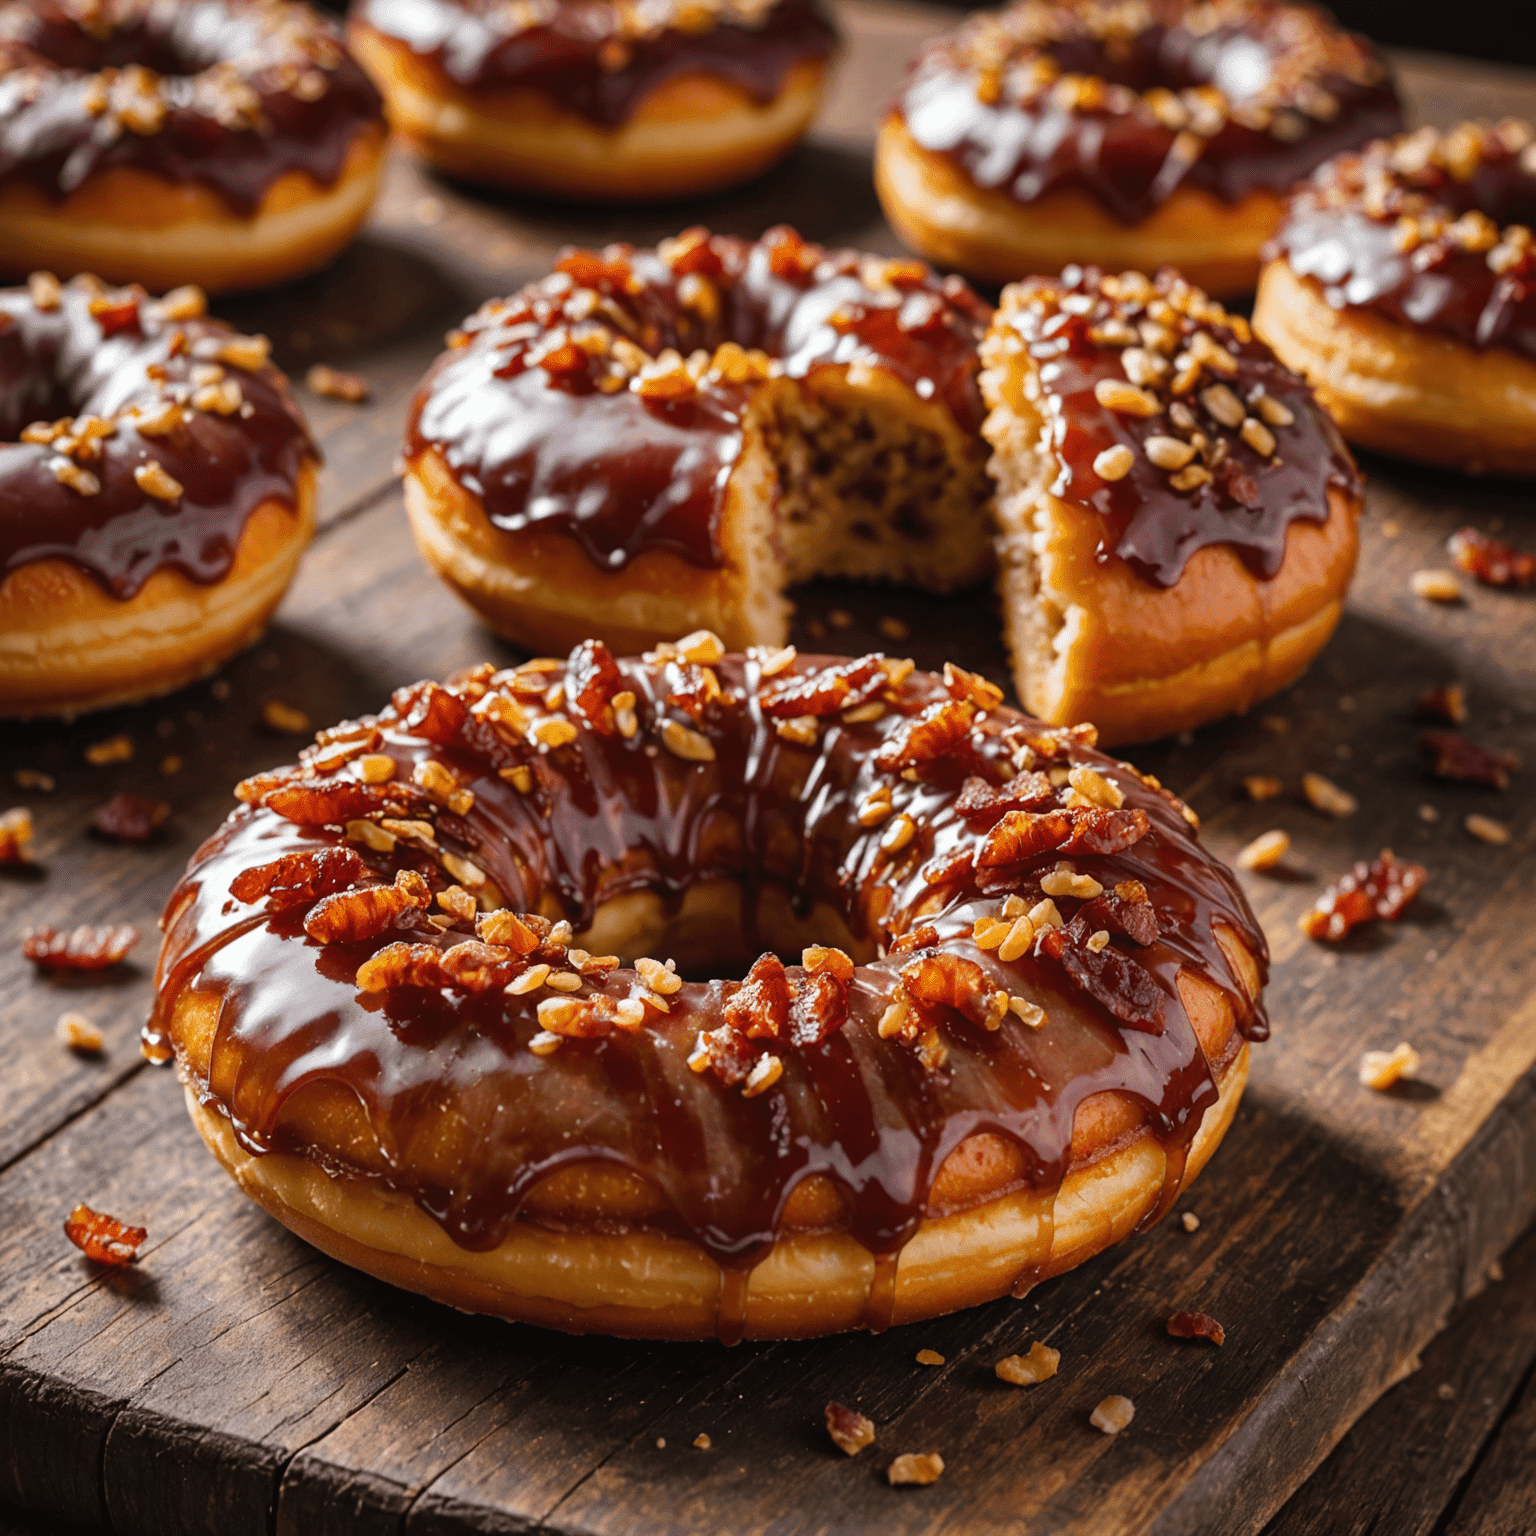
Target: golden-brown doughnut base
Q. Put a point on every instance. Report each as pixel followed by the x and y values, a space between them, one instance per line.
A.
pixel 645 1284
pixel 128 225
pixel 67 645
pixel 946 217
pixel 696 133
pixel 1399 390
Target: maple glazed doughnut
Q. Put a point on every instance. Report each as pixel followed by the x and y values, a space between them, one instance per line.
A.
pixel 413 988
pixel 151 521
pixel 1403 284
pixel 1173 518
pixel 595 98
pixel 1126 135
pixel 227 143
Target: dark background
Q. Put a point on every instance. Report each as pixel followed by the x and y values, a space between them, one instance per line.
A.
pixel 1487 29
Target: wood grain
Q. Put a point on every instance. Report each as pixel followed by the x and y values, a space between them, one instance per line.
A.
pixel 235 1380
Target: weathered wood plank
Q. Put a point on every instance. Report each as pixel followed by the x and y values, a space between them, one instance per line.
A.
pixel 1501 1499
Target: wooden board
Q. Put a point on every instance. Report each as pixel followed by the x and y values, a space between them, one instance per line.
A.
pixel 237 1381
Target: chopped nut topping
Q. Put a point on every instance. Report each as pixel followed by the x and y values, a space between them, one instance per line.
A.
pixel 1486 830
pixel 1490 561
pixel 1113 1414
pixel 79 1034
pixel 16 836
pixel 336 385
pixel 1169 452
pixel 703 646
pixel 45 291
pixel 1265 851
pixel 1452 756
pixel 692 746
pixel 929 1357
pixel 284 719
pixel 915 1469
pixel 1040 1364
pixel 1189 1221
pixel 803 730
pixel 1114 463
pixel 1127 399
pixel 1065 881
pixel 1435 586
pixel 1095 788
pixel 1448 703
pixel 1326 796
pixel 86 948
pixel 152 478
pixel 768 1070
pixel 1381 1069
pixel 130 818
pixel 1262 786
pixel 1196 1325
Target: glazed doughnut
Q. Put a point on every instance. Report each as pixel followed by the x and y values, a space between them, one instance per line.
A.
pixel 1177 514
pixel 1125 135
pixel 1403 284
pixel 596 99
pixel 227 143
pixel 151 522
pixel 651 442
pixel 413 988
pixel 568 480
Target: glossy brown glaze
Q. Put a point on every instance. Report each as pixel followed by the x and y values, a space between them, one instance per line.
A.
pixel 1271 455
pixel 1431 230
pixel 230 94
pixel 881 1076
pixel 95 386
pixel 600 60
pixel 1131 103
pixel 571 404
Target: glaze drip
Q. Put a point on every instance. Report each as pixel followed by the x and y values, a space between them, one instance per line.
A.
pixel 470 1103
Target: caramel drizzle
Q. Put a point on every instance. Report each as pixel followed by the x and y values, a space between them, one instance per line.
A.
pixel 874 1107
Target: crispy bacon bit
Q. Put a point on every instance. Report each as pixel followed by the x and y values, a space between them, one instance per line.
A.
pixel 16 836
pixel 297 878
pixel 130 818
pixel 951 981
pixel 984 803
pixel 1040 1364
pixel 1123 911
pixel 1109 976
pixel 850 1430
pixel 401 965
pixel 103 1238
pixel 819 1008
pixel 933 734
pixel 1379 890
pixel 1196 1325
pixel 592 678
pixel 759 1007
pixel 1452 756
pixel 364 912
pixel 86 948
pixel 726 1052
pixel 1448 703
pixel 824 692
pixel 1491 561
pixel 431 711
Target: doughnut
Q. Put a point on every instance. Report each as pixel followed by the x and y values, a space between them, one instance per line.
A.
pixel 1177 515
pixel 226 143
pixel 453 998
pixel 648 443
pixel 1123 135
pixel 1402 283
pixel 589 99
pixel 151 520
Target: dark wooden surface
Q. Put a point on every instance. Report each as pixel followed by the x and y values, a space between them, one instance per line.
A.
pixel 235 1381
